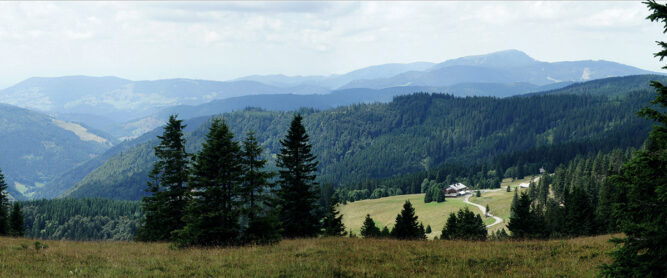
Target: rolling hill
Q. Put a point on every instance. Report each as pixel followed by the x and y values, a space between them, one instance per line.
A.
pixel 36 148
pixel 126 108
pixel 368 141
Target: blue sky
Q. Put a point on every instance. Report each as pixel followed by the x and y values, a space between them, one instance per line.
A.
pixel 226 40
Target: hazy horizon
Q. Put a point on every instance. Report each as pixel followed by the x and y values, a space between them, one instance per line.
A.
pixel 223 41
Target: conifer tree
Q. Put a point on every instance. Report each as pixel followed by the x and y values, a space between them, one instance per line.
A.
pixel 16 227
pixel 163 209
pixel 333 222
pixel 465 225
pixel 643 252
pixel 4 205
pixel 297 196
pixel 212 216
pixel 406 226
pixel 368 229
pixel 428 229
pixel 520 219
pixel 263 224
pixel 543 190
pixel 385 232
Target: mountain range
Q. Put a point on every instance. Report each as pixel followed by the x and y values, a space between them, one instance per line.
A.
pixel 410 133
pixel 75 125
pixel 127 109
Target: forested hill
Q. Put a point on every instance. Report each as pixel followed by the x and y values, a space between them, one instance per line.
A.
pixel 412 133
pixel 36 148
pixel 612 86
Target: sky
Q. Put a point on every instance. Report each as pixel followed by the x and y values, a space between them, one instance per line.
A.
pixel 227 40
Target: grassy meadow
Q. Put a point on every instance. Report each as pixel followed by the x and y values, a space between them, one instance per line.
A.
pixel 319 257
pixel 384 210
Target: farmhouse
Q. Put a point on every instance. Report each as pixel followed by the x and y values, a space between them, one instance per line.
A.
pixel 456 190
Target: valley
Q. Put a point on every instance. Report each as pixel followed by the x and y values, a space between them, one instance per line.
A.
pixel 333 139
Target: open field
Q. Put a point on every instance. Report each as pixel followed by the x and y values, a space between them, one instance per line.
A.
pixel 500 201
pixel 323 257
pixel 384 210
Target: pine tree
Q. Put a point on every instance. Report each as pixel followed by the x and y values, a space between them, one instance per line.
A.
pixel 515 203
pixel 385 232
pixel 263 224
pixel 406 226
pixel 16 227
pixel 644 179
pixel 579 213
pixel 465 225
pixel 298 211
pixel 4 205
pixel 333 222
pixel 428 229
pixel 543 190
pixel 487 210
pixel 368 229
pixel 509 189
pixel 520 219
pixel 212 216
pixel 163 210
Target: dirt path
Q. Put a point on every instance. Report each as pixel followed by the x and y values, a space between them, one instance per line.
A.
pixel 483 209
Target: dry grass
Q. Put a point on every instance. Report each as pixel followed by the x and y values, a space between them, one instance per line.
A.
pixel 325 257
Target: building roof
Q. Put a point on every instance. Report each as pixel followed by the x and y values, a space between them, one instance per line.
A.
pixel 457 186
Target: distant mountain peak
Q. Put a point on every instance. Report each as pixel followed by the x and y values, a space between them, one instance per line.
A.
pixel 504 58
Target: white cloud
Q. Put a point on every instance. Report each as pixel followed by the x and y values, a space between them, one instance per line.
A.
pixel 224 40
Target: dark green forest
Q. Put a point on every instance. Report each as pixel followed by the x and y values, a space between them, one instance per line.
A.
pixel 419 134
pixel 81 219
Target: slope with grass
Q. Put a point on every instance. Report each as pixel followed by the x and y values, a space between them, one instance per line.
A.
pixel 384 210
pixel 324 257
pixel 500 201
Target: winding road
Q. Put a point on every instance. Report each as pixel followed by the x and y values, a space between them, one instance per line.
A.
pixel 483 209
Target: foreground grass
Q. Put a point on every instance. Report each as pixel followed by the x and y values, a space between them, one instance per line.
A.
pixel 325 257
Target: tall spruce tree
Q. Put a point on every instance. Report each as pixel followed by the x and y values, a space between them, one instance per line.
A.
pixel 263 224
pixel 4 206
pixel 368 229
pixel 163 209
pixel 520 217
pixel 212 215
pixel 406 226
pixel 16 227
pixel 643 217
pixel 333 222
pixel 297 195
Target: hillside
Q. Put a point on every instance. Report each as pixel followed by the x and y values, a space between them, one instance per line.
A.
pixel 613 86
pixel 358 142
pixel 127 108
pixel 85 99
pixel 317 257
pixel 36 148
pixel 384 210
pixel 337 98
